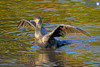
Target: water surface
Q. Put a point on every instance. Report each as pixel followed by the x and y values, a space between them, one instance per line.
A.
pixel 17 47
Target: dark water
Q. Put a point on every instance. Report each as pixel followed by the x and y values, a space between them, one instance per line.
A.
pixel 17 47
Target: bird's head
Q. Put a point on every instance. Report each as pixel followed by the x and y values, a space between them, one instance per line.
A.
pixel 38 19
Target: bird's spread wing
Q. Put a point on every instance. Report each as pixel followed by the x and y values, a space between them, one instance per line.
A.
pixel 26 23
pixel 64 30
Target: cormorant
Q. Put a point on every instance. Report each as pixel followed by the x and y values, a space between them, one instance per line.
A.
pixel 47 40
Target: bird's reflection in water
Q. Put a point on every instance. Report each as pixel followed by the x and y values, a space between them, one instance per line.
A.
pixel 51 58
pixel 47 57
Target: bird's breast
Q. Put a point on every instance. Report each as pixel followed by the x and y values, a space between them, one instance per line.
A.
pixel 45 39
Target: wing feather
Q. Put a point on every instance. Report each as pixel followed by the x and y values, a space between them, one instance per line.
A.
pixel 64 30
pixel 26 23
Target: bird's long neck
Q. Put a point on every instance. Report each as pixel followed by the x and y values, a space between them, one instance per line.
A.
pixel 38 28
pixel 39 24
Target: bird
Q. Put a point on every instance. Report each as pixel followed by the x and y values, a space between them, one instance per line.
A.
pixel 48 40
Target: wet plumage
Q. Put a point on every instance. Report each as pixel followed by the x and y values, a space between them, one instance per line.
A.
pixel 45 39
